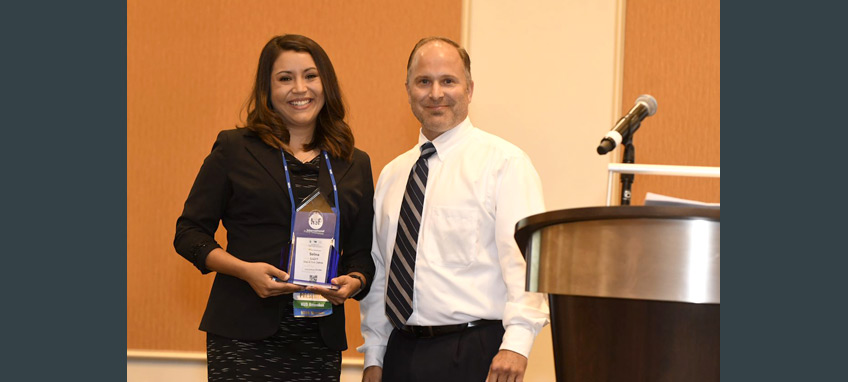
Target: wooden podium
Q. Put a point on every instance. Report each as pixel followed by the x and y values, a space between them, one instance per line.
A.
pixel 634 290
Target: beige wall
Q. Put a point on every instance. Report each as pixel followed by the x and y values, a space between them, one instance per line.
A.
pixel 546 78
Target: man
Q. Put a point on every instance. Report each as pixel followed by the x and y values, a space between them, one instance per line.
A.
pixel 448 300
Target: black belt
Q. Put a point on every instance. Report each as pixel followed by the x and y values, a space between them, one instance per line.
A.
pixel 435 331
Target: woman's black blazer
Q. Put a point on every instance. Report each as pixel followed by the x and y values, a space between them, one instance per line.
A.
pixel 243 185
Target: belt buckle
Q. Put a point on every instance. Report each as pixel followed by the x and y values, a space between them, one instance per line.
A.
pixel 422 331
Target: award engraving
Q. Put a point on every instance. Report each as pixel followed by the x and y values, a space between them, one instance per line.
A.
pixel 313 257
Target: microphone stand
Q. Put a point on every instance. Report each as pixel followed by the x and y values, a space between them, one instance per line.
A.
pixel 629 157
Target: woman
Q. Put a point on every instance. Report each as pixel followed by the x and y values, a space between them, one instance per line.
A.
pixel 294 130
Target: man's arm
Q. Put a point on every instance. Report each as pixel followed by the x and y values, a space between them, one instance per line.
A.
pixel 519 195
pixel 375 326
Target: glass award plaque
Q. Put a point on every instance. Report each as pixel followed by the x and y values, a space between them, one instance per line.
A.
pixel 313 257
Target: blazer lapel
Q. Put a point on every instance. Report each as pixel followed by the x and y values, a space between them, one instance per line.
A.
pixel 270 158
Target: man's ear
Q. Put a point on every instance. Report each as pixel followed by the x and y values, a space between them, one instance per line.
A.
pixel 470 90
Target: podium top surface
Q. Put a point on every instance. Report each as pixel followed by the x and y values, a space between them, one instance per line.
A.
pixel 525 227
pixel 660 253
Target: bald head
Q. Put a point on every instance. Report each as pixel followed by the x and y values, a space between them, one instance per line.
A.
pixel 463 54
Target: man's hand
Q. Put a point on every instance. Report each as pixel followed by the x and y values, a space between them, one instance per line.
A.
pixel 507 366
pixel 372 374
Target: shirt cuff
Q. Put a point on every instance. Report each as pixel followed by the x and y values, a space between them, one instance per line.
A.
pixel 518 339
pixel 374 356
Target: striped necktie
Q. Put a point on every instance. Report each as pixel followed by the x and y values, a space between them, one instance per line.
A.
pixel 402 268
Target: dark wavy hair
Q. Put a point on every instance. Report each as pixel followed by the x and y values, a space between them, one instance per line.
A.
pixel 332 133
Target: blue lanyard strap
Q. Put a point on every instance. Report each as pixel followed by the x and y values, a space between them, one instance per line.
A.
pixel 336 209
pixel 291 193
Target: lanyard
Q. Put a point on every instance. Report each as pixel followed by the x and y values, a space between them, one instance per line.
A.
pixel 336 209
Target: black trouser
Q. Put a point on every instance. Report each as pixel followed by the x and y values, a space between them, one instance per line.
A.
pixel 463 356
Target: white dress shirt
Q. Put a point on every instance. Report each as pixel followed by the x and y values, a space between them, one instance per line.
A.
pixel 468 266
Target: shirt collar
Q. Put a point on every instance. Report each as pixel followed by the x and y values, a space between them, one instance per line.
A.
pixel 449 139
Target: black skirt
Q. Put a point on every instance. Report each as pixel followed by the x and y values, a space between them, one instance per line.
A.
pixel 294 353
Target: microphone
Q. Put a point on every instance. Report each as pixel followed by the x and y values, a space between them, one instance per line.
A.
pixel 645 107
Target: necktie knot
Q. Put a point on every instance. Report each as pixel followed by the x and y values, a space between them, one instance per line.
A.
pixel 427 149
